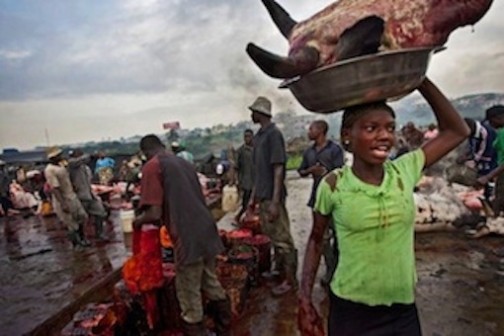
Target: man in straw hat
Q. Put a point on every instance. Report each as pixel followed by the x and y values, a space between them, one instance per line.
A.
pixel 67 206
pixel 269 191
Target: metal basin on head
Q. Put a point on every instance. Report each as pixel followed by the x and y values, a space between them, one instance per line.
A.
pixel 387 75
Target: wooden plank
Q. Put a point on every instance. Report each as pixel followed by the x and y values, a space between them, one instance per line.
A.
pixel 97 292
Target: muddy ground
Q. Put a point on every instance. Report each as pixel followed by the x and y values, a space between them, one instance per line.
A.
pixel 40 273
pixel 460 288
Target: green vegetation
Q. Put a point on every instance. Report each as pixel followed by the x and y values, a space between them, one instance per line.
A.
pixel 112 147
pixel 213 140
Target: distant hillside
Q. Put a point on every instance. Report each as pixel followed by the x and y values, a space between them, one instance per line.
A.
pixel 216 138
pixel 470 106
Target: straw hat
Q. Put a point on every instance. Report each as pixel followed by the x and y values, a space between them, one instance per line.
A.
pixel 261 105
pixel 53 152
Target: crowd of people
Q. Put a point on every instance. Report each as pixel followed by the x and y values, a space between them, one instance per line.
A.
pixel 362 213
pixel 67 187
pixel 21 191
pixel 486 155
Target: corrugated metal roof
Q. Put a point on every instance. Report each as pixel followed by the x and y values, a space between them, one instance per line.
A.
pixel 33 156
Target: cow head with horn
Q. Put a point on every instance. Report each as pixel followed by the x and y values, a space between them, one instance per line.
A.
pixel 350 28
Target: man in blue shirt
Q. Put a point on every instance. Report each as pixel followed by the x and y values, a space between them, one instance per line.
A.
pixel 318 160
pixel 104 168
pixel 482 155
pixel 179 148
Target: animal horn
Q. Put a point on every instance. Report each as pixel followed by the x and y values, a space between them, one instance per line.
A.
pixel 280 16
pixel 298 63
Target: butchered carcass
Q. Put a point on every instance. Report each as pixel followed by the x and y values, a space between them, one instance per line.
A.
pixel 350 28
pixel 441 206
pixel 493 223
pixel 438 205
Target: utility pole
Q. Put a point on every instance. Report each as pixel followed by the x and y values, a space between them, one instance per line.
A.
pixel 47 137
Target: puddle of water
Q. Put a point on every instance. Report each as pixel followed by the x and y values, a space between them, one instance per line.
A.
pixel 460 291
pixel 41 272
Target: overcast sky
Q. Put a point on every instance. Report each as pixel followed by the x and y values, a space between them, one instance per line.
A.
pixel 91 70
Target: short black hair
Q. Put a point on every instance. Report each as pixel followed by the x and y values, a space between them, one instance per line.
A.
pixel 494 111
pixel 322 124
pixel 248 130
pixel 354 113
pixel 150 142
pixel 77 152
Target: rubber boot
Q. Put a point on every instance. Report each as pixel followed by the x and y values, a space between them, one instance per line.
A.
pixel 278 269
pixel 75 240
pixel 194 329
pixel 290 282
pixel 83 241
pixel 98 223
pixel 221 313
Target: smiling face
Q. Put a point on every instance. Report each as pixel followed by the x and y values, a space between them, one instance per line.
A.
pixel 372 136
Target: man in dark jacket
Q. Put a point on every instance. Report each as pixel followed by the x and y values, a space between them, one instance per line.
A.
pixel 245 169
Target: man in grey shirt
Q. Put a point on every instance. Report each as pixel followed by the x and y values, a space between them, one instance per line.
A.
pixel 66 204
pixel 269 191
pixel 81 175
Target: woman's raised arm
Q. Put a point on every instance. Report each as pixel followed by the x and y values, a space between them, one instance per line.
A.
pixel 452 128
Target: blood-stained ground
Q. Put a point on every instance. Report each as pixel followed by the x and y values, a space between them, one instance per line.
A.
pixel 460 289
